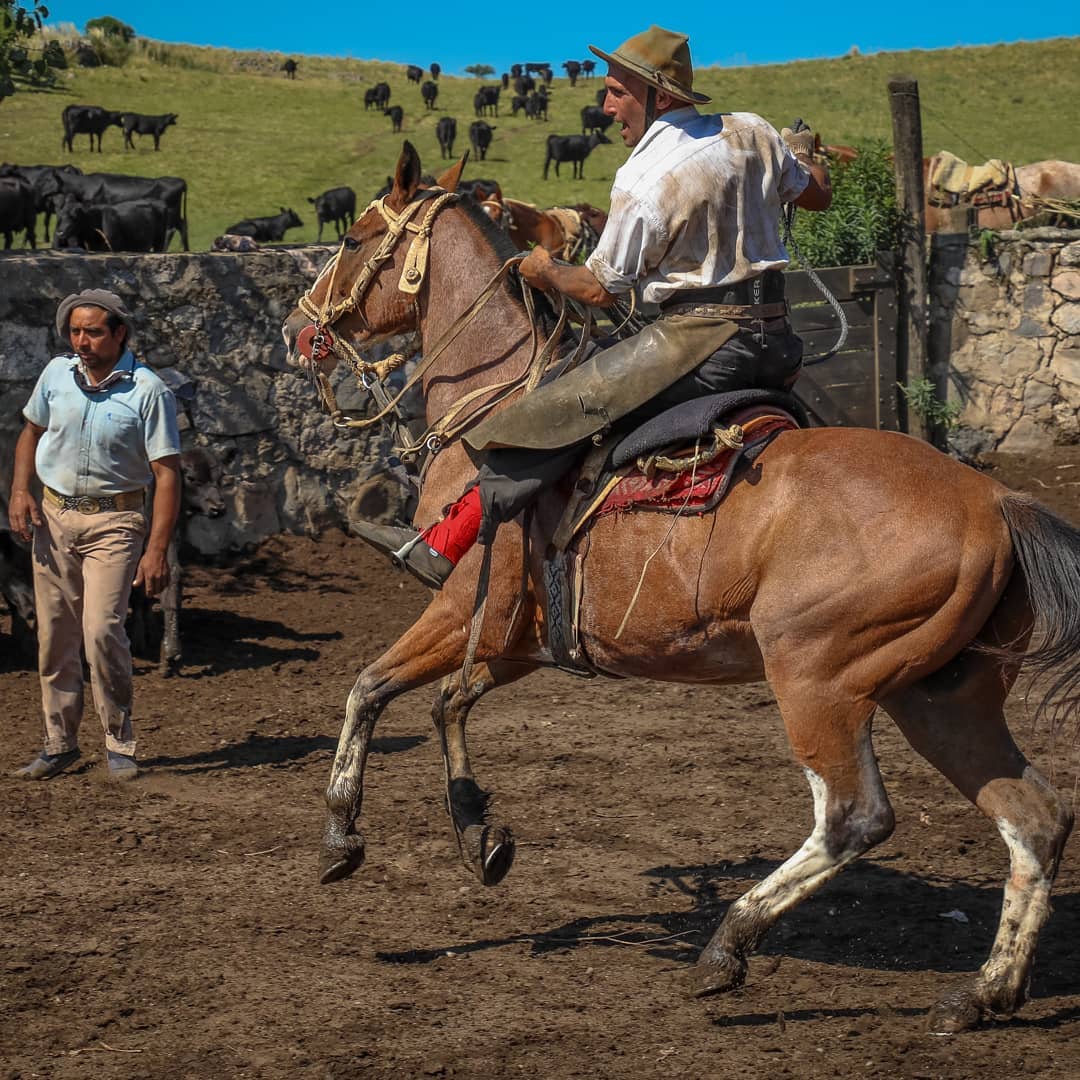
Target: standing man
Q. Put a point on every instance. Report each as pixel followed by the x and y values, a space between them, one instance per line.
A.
pixel 100 427
pixel 693 228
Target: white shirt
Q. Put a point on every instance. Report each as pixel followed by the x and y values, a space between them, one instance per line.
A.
pixel 697 204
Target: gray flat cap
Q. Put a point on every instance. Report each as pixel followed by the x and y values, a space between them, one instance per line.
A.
pixel 101 298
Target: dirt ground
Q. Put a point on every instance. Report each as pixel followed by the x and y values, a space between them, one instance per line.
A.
pixel 175 927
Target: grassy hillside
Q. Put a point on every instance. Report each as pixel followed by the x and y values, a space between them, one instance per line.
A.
pixel 250 141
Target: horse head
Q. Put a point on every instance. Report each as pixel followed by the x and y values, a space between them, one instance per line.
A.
pixel 367 291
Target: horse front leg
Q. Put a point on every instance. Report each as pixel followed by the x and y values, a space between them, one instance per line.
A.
pixel 429 650
pixel 486 847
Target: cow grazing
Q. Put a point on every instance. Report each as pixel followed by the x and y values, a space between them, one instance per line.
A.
pixel 45 182
pixel 87 120
pixel 572 148
pixel 382 95
pixel 480 137
pixel 370 98
pixel 536 107
pixel 573 70
pixel 429 92
pixel 131 225
pixel 414 73
pixel 396 114
pixel 115 187
pixel 137 124
pixel 486 101
pixel 338 205
pixel 289 67
pixel 18 210
pixel 588 67
pixel 524 84
pixel 446 133
pixel 265 229
pixel 436 71
pixel 517 103
pixel 593 118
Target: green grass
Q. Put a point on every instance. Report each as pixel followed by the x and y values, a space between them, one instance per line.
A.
pixel 249 141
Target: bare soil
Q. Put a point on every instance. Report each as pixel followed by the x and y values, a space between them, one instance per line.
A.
pixel 175 927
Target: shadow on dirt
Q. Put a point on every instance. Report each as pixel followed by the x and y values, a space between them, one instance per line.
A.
pixel 872 918
pixel 217 641
pixel 277 751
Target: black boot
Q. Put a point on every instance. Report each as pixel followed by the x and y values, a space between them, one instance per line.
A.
pixel 407 551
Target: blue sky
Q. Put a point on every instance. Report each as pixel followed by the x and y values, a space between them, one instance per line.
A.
pixel 455 34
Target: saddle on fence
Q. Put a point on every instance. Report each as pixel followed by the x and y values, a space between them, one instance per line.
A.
pixel 953 182
pixel 683 461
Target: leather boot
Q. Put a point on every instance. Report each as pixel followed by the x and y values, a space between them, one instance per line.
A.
pixel 423 562
pixel 46 766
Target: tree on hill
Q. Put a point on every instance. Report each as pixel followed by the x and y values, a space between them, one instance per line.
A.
pixel 110 27
pixel 113 40
pixel 480 70
pixel 19 21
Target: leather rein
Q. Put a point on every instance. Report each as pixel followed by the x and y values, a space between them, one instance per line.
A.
pixel 372 375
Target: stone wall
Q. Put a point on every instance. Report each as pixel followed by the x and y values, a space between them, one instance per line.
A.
pixel 215 319
pixel 1007 322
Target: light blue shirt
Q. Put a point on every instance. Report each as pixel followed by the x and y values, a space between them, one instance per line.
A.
pixel 101 442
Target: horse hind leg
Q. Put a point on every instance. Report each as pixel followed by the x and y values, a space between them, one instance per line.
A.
pixel 955 720
pixel 851 815
pixel 486 847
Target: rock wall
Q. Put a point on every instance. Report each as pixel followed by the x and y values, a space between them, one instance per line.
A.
pixel 1008 321
pixel 214 319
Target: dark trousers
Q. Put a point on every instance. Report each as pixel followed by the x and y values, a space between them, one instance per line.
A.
pixel 511 479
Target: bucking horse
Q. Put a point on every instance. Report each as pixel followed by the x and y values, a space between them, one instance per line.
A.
pixel 853 570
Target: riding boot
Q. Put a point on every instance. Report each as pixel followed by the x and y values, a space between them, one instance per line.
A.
pixel 429 556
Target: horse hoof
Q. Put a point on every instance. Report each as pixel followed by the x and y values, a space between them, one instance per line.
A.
pixel 341 861
pixel 717 975
pixel 959 1011
pixel 489 852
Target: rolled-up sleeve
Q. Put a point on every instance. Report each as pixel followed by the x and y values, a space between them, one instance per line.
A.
pixel 793 177
pixel 633 242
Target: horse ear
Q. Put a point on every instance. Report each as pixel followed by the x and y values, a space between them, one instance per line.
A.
pixel 449 179
pixel 406 177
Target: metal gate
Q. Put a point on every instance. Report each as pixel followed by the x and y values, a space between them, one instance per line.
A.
pixel 859 387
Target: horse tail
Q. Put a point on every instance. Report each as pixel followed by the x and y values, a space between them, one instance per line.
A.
pixel 1047 550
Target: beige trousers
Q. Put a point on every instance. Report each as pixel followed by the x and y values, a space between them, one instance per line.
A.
pixel 84 565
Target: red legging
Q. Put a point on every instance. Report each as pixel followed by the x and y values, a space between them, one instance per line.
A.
pixel 457 531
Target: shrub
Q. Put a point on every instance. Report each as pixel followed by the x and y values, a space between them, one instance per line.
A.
pixel 113 41
pixel 863 218
pixel 111 28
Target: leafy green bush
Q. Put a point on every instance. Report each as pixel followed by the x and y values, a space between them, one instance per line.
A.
pixel 113 41
pixel 110 27
pixel 19 21
pixel 863 218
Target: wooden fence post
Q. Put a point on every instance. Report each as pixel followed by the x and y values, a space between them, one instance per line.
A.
pixel 912 300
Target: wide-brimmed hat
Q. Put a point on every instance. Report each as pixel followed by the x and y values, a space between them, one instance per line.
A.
pixel 660 57
pixel 101 298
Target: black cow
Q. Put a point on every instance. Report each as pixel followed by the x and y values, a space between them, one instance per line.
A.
pixel 536 107
pixel 593 118
pixel 382 95
pixel 338 205
pixel 480 137
pixel 370 95
pixel 137 124
pixel 115 187
pixel 414 73
pixel 429 92
pixel 17 210
pixel 446 133
pixel 396 114
pixel 132 225
pixel 588 67
pixel 601 96
pixel 518 102
pixel 480 189
pixel 263 229
pixel 535 69
pixel 524 84
pixel 573 70
pixel 436 71
pixel 515 71
pixel 289 67
pixel 45 183
pixel 547 75
pixel 87 120
pixel 572 148
pixel 486 101
pixel 505 80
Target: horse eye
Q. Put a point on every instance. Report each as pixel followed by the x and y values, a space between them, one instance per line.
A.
pixel 350 244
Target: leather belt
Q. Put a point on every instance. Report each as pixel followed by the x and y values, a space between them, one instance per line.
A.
pixel 94 504
pixel 734 312
pixel 765 288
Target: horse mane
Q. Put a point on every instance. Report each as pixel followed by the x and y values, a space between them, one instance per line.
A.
pixel 505 249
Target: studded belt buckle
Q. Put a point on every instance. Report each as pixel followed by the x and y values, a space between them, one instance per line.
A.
pixel 88 505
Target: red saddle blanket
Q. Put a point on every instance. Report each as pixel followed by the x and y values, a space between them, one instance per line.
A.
pixel 695 490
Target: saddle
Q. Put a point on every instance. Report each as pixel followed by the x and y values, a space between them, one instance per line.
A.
pixel 953 182
pixel 682 461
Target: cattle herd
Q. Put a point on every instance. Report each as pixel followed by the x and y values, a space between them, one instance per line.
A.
pixel 102 212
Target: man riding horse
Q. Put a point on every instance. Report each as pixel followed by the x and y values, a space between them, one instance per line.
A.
pixel 693 228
